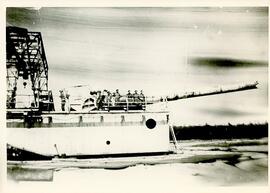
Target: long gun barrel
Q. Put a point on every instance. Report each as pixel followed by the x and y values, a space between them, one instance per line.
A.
pixel 139 102
pixel 219 91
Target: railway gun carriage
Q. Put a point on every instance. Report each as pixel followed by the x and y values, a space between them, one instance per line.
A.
pixel 100 125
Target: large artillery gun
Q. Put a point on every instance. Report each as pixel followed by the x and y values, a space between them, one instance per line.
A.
pixel 105 101
pixel 26 62
pixel 96 125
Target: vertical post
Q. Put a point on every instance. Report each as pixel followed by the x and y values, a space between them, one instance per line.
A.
pixel 127 104
pixel 38 100
pixel 101 119
pixel 30 101
pixel 122 119
pixel 143 119
pixel 80 120
pixel 108 104
pixel 145 102
pixel 50 120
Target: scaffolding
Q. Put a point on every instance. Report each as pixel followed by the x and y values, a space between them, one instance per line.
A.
pixel 26 59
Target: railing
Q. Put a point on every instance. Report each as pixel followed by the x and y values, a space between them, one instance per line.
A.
pixel 123 103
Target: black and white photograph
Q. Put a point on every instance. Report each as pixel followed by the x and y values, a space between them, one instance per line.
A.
pixel 136 99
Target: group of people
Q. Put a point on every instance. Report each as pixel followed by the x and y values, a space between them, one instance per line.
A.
pixel 107 98
pixel 100 99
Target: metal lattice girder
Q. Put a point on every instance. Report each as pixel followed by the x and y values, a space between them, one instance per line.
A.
pixel 25 58
pixel 38 63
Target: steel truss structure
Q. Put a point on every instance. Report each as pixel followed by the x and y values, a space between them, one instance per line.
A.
pixel 26 58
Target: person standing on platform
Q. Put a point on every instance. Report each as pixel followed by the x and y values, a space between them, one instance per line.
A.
pixel 117 95
pixel 63 100
pixel 136 96
pixel 100 100
pixel 113 99
pixel 129 97
pixel 67 101
pixel 142 97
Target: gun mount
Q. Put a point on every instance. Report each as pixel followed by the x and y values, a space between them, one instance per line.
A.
pixel 26 61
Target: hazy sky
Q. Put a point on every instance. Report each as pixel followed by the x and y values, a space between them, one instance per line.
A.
pixel 151 49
